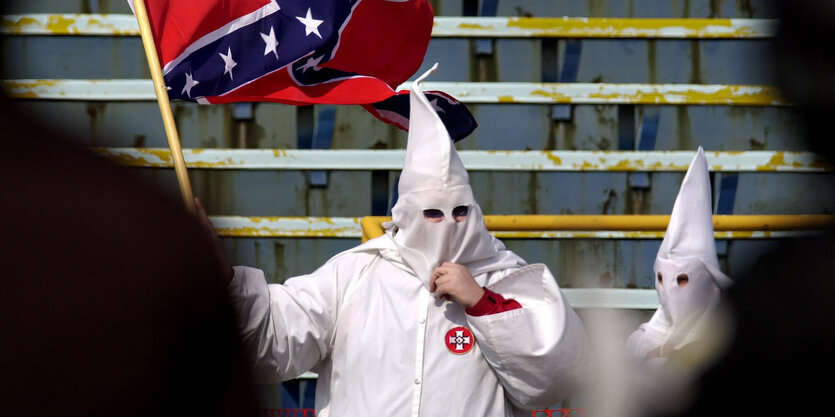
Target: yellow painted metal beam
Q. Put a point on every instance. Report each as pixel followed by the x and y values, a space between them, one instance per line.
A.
pixel 633 226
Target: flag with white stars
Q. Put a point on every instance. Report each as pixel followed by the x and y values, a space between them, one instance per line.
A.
pixel 298 52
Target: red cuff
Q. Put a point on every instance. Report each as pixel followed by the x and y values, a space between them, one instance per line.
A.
pixel 492 303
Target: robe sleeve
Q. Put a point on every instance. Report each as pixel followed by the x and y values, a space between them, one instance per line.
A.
pixel 286 328
pixel 538 351
pixel 492 303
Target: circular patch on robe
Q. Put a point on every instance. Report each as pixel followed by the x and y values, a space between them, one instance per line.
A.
pixel 459 340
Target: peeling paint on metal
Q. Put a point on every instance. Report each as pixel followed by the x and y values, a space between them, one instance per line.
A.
pixel 70 24
pixel 363 160
pixel 10 26
pixel 776 161
pixel 295 226
pixel 477 92
pixel 564 27
pixel 26 88
pixel 554 158
pixel 343 232
pixel 742 95
pixel 474 26
pixel 138 157
pixel 572 27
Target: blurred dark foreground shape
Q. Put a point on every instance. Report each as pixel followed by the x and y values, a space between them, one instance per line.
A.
pixel 780 352
pixel 111 301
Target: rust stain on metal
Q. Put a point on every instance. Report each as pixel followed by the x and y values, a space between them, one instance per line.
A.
pixel 59 24
pixel 585 166
pixel 278 153
pixel 726 94
pixel 113 29
pixel 554 158
pixel 134 161
pixel 637 28
pixel 506 99
pixel 162 154
pixel 626 165
pixel 20 85
pixel 228 162
pixel 473 26
pixel 776 161
pixel 556 97
pixel 309 220
pixel 739 95
pixel 273 232
pixel 16 26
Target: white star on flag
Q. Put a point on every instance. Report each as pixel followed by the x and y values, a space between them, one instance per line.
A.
pixel 311 25
pixel 435 106
pixel 190 82
pixel 311 63
pixel 271 42
pixel 228 63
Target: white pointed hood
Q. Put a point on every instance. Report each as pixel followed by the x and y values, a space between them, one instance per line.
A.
pixel 434 178
pixel 688 278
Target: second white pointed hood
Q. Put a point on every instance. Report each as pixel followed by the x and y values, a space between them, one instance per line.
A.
pixel 434 178
pixel 688 278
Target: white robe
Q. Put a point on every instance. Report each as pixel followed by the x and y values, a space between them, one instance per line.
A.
pixel 650 336
pixel 374 334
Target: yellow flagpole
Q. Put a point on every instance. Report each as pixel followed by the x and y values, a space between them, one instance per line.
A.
pixel 164 104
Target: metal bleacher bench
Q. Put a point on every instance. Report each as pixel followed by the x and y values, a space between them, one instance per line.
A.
pixel 563 227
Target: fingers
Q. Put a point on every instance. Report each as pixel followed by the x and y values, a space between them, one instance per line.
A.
pixel 444 286
pixel 435 281
pixel 442 290
pixel 436 273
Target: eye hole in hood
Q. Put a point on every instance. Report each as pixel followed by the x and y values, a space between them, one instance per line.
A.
pixel 433 215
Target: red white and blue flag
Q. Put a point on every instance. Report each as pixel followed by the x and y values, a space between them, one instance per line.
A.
pixel 299 52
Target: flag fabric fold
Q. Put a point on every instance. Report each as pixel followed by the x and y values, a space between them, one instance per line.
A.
pixel 298 52
pixel 456 117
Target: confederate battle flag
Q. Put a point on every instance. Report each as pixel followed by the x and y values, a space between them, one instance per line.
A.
pixel 299 52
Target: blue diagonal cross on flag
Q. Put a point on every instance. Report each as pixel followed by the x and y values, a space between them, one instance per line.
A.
pixel 299 52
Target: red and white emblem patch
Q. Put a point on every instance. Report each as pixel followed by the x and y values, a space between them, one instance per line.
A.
pixel 459 340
